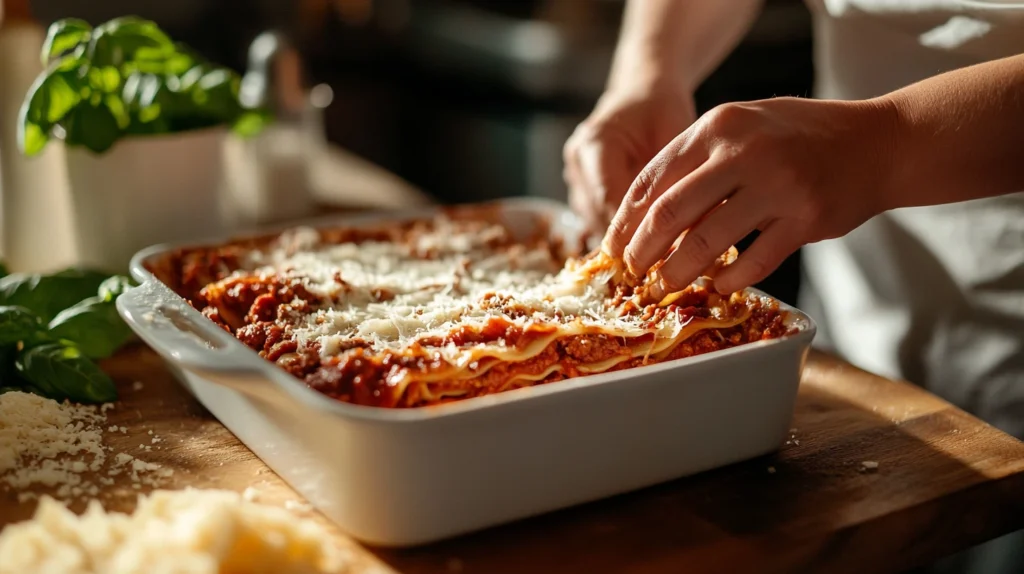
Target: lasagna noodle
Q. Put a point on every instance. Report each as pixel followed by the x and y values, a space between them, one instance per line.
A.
pixel 459 371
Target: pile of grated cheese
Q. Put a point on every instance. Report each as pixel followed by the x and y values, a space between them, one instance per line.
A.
pixel 59 446
pixel 171 532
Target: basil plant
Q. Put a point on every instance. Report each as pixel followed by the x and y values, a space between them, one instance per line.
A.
pixel 126 77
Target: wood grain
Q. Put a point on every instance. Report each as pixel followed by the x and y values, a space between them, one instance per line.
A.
pixel 944 481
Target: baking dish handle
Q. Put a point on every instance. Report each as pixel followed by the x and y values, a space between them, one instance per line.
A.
pixel 181 334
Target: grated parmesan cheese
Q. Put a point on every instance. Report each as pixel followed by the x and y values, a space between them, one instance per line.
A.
pixel 461 284
pixel 171 532
pixel 59 446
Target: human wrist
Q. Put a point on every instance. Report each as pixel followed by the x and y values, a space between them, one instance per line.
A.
pixel 880 120
pixel 636 75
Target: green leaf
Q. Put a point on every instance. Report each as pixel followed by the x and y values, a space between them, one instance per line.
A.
pixel 121 40
pixel 18 324
pixel 118 110
pixel 93 326
pixel 62 36
pixel 250 123
pixel 3 270
pixel 93 127
pixel 48 295
pixel 113 287
pixel 10 379
pixel 31 138
pixel 52 96
pixel 62 372
pixel 106 79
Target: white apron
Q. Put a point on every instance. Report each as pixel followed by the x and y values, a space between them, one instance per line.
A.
pixel 934 295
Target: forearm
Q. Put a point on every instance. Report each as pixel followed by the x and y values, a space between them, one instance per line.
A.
pixel 678 41
pixel 958 136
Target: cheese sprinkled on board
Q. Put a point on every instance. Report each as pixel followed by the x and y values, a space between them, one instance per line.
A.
pixel 59 446
pixel 170 532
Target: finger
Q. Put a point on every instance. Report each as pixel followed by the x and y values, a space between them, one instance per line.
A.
pixel 680 208
pixel 582 205
pixel 706 241
pixel 674 162
pixel 777 242
pixel 604 168
pixel 580 200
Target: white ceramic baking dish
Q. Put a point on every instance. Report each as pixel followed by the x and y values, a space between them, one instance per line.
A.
pixel 403 477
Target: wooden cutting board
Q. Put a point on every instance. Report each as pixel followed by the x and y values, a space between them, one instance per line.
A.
pixel 944 480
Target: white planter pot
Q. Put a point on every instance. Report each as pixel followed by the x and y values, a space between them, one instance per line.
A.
pixel 143 191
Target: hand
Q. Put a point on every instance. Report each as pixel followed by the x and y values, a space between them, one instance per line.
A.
pixel 608 149
pixel 797 170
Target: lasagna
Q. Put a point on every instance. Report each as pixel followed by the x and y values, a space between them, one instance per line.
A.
pixel 450 307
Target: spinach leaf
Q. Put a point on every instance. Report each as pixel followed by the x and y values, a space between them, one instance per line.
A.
pixel 93 326
pixel 61 372
pixel 18 324
pixel 47 295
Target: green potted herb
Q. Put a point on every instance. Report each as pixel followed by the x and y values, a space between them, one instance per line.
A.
pixel 143 120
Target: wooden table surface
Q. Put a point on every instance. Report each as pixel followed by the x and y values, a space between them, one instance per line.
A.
pixel 944 481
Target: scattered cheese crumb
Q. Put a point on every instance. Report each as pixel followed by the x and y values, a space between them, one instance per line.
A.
pixel 771 470
pixel 59 446
pixel 297 506
pixel 195 531
pixel 112 429
pixel 251 494
pixel 47 443
pixel 156 440
pixel 868 465
pixel 137 386
pixel 124 430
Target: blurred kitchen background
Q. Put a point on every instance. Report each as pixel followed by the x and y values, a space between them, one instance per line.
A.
pixel 468 99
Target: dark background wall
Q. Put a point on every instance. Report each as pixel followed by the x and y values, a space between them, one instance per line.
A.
pixel 469 99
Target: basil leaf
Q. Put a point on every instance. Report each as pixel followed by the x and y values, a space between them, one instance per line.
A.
pixel 50 99
pixel 122 40
pixel 10 379
pixel 63 35
pixel 47 295
pixel 93 326
pixel 113 287
pixel 18 324
pixel 92 126
pixel 62 372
